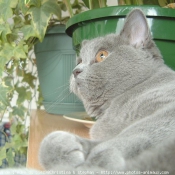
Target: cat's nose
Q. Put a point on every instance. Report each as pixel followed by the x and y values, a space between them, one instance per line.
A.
pixel 76 72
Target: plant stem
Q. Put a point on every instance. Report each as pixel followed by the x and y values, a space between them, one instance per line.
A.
pixel 121 2
pixel 138 2
pixel 102 3
pixel 69 7
pixel 6 136
pixel 162 3
pixel 90 4
pixel 127 2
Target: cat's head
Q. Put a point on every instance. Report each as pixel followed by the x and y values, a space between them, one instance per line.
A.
pixel 110 65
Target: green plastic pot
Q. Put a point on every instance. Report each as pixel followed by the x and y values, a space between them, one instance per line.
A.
pixel 102 21
pixel 55 60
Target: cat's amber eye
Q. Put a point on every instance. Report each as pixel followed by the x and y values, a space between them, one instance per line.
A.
pixel 101 56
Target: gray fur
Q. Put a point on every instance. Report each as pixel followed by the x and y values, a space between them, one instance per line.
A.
pixel 132 94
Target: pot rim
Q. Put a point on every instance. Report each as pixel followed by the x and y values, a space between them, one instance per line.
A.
pixel 112 11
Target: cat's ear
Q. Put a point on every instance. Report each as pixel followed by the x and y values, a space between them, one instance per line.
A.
pixel 136 30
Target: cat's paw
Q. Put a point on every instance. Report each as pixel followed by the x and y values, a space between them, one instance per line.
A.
pixel 61 148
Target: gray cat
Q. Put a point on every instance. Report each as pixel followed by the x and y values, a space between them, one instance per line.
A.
pixel 123 82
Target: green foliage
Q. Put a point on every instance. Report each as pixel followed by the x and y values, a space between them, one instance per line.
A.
pixel 21 23
pixel 41 13
pixel 17 144
pixel 95 4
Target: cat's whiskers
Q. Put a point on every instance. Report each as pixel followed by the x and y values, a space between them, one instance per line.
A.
pixel 91 80
pixel 65 97
pixel 56 90
pixel 58 101
pixel 76 99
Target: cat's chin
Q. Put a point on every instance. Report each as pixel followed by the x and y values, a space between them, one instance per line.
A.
pixel 95 109
pixel 92 111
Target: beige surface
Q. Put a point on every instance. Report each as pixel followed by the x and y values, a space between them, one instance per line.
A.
pixel 41 124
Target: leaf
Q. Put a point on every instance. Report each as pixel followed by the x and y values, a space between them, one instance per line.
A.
pixel 8 144
pixel 19 142
pixel 86 2
pixel 52 7
pixel 12 37
pixel 13 129
pixel 19 72
pixel 4 31
pixel 41 16
pixel 40 98
pixel 23 6
pixel 6 11
pixel 26 49
pixel 21 94
pixel 27 1
pixel 29 78
pixel 19 111
pixel 4 90
pixel 29 95
pixel 10 157
pixel 13 3
pixel 3 61
pixel 19 52
pixel 2 154
pixel 15 51
pixel 63 6
pixel 28 31
pixel 7 80
pixel 20 128
pixel 18 21
pixel 23 150
pixel 36 3
pixel 5 6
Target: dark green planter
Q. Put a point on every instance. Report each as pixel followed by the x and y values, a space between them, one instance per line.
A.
pixel 99 22
pixel 55 61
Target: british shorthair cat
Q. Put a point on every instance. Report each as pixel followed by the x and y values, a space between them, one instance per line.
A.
pixel 124 83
